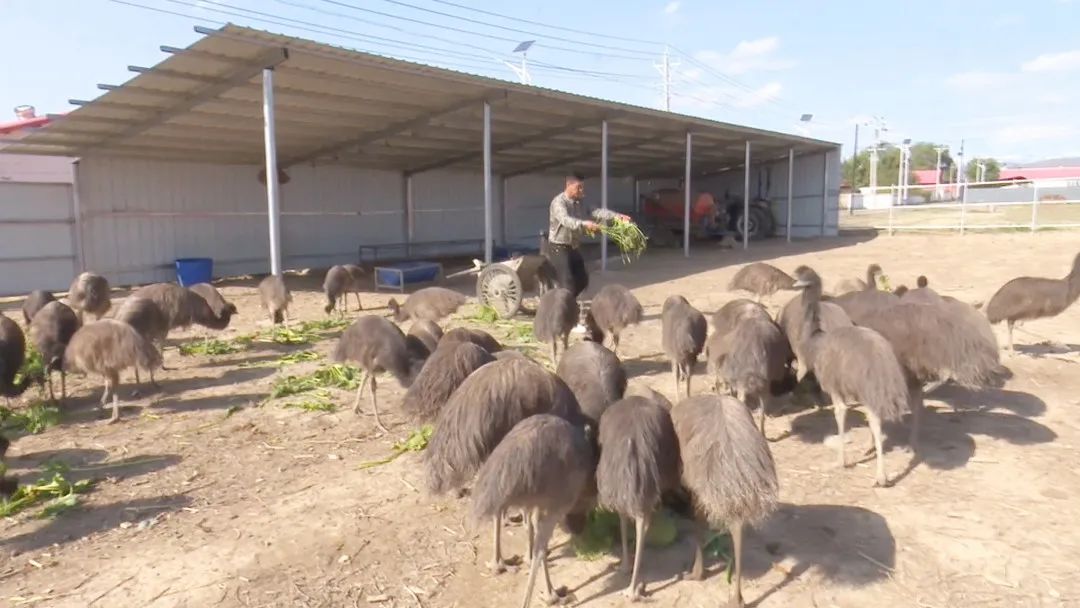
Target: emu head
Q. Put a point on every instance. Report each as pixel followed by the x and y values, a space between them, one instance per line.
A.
pixel 593 331
pixel 900 291
pixel 806 278
pixel 396 310
pixel 922 281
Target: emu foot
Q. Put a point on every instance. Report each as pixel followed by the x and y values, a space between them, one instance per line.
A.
pixel 509 564
pixel 636 593
pixel 736 601
pixel 515 519
pixel 562 597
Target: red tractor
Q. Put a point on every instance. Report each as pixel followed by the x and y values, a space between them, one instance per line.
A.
pixel 708 218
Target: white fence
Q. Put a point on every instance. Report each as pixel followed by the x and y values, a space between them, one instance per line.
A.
pixel 1000 205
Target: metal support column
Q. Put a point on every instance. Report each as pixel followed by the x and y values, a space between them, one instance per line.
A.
pixel 603 190
pixel 487 185
pixel 502 211
pixel 273 190
pixel 686 194
pixel 637 196
pixel 790 189
pixel 825 193
pixel 409 216
pixel 746 199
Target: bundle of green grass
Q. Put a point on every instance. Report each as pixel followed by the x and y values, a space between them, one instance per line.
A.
pixel 626 235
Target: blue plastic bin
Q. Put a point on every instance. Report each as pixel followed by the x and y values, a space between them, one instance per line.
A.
pixel 191 271
pixel 398 276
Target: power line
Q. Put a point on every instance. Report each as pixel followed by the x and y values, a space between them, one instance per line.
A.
pixel 511 29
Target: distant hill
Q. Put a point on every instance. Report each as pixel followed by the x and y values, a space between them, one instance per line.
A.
pixel 1072 161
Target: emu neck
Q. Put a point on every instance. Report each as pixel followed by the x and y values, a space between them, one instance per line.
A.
pixel 1073 283
pixel 871 279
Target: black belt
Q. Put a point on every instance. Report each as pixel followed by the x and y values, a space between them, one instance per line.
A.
pixel 561 246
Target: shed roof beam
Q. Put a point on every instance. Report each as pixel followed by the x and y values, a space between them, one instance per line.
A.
pixel 240 74
pixel 588 155
pixel 392 129
pixel 564 129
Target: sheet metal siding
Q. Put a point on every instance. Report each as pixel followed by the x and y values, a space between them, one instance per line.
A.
pixel 809 170
pixel 36 237
pixel 529 197
pixel 139 216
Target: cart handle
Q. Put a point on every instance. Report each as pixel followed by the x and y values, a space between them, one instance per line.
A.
pixel 477 267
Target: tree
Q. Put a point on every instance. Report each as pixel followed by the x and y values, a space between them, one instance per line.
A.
pixel 924 155
pixel 887 171
pixel 993 169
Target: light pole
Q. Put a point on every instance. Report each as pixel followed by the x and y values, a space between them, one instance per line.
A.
pixel 879 127
pixel 937 172
pixel 902 177
pixel 522 71
pixel 980 176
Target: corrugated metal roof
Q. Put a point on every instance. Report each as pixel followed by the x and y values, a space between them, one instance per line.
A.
pixel 204 103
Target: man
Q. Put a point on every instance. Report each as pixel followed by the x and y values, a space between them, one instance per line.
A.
pixel 568 220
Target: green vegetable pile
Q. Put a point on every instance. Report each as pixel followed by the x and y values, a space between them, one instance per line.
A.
pixel 630 240
pixel 417 441
pixel 53 487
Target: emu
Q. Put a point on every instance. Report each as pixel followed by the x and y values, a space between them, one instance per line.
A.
pixel 107 347
pixel 12 356
pixel 427 332
pixel 8 485
pixel 1028 298
pixel 481 412
pixel 792 321
pixel 341 280
pixel 639 462
pixel 751 360
pixel 149 320
pixel 860 304
pixel 730 314
pixel 478 337
pixel 181 306
pixel 760 279
pixel 35 301
pixel 853 364
pixel 431 303
pixel 613 309
pixel 683 338
pixel 595 376
pixel 440 376
pixel 223 309
pixel 873 271
pixel 377 345
pixel 89 293
pixel 727 468
pixel 556 316
pixel 540 466
pixel 51 330
pixel 275 297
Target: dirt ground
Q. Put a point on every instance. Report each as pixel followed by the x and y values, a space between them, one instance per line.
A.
pixel 268 506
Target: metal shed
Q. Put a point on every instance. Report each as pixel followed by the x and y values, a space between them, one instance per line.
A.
pixel 174 162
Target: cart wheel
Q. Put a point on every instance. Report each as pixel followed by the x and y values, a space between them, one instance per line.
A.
pixel 500 288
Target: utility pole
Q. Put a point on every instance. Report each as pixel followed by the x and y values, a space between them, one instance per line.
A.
pixel 879 126
pixel 665 68
pixel 960 177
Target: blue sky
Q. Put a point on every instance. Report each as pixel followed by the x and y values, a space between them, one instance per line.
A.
pixel 1004 76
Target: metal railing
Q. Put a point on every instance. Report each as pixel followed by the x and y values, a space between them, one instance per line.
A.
pixel 996 205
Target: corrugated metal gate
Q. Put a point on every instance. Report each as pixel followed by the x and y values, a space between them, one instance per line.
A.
pixel 37 237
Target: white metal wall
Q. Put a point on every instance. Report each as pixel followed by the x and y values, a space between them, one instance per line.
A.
pixel 773 179
pixel 36 237
pixel 138 216
pixel 528 198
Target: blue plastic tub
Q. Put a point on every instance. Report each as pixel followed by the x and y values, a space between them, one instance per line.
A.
pixel 190 271
pixel 398 276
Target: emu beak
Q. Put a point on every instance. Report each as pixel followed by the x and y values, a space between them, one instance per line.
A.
pixel 800 284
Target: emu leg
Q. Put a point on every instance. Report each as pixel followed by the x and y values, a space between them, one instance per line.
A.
pixel 840 411
pixel 63 385
pixel 359 304
pixel 697 571
pixel 497 565
pixel 565 342
pixel 375 406
pixel 1010 325
pixel 762 401
pixel 52 395
pixel 736 601
pixel 554 352
pixel 634 592
pixel 113 381
pixel 624 535
pixel 689 372
pixel 916 403
pixel 880 480
pixel 105 393
pixel 675 373
pixel 539 554
pixel 359 392
pixel 137 380
pixel 530 533
pixel 615 344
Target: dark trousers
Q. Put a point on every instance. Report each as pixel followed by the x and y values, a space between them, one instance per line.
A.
pixel 569 266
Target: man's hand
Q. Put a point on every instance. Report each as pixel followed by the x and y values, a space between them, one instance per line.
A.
pixel 622 217
pixel 591 227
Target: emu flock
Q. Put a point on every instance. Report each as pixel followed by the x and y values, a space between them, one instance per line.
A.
pixel 553 445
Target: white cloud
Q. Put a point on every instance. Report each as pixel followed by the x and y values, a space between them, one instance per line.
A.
pixel 1053 62
pixel 759 96
pixel 672 7
pixel 977 79
pixel 748 56
pixel 1024 133
pixel 1055 99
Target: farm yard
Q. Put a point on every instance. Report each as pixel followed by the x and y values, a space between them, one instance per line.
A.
pixel 214 492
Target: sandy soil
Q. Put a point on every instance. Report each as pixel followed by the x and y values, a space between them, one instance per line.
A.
pixel 268 506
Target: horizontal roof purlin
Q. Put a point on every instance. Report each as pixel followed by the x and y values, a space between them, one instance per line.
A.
pixel 204 103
